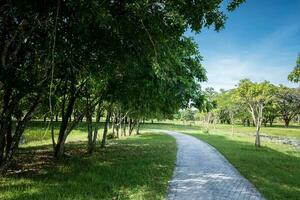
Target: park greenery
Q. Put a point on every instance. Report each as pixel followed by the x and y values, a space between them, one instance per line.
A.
pixel 79 59
pixel 250 104
pixel 77 78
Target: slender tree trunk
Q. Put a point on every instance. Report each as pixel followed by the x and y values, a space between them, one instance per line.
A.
pixel 9 142
pixel 113 129
pixel 119 129
pixel 124 127
pixel 103 142
pixel 97 124
pixel 265 123
pixel 271 121
pixel 52 133
pixel 257 116
pixel 248 122
pixel 257 135
pixel 90 132
pixel 286 122
pixel 138 127
pixel 59 148
pixel 129 126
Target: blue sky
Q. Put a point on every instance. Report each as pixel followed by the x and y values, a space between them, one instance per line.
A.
pixel 261 41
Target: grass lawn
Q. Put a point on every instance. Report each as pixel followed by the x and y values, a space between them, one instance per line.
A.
pixel 136 167
pixel 139 167
pixel 274 168
pixel 277 129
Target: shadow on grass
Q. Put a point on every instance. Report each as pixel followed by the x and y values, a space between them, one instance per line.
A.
pixel 126 169
pixel 275 174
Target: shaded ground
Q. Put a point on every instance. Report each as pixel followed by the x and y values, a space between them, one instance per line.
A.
pixel 134 168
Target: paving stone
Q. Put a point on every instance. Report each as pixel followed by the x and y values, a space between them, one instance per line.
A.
pixel 202 173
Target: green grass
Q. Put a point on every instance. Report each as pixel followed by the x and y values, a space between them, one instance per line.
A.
pixel 276 130
pixel 274 168
pixel 137 167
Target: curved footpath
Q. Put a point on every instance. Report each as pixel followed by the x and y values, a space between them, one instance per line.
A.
pixel 201 172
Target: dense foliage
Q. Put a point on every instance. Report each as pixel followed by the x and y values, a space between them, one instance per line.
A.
pixel 250 103
pixel 127 60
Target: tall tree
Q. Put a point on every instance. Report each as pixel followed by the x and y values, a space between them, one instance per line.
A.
pixel 46 44
pixel 26 38
pixel 255 96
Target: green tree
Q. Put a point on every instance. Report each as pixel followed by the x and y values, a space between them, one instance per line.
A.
pixel 288 102
pixel 294 76
pixel 26 37
pixel 61 44
pixel 255 96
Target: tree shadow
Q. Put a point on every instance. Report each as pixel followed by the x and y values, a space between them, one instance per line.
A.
pixel 127 169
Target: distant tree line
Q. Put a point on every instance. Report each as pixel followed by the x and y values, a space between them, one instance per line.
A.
pixel 250 104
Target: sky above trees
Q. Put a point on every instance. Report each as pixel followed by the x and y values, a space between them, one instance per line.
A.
pixel 261 42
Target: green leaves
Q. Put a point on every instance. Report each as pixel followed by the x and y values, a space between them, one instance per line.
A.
pixel 252 93
pixel 294 76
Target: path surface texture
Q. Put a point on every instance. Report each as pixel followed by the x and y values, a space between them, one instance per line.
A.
pixel 201 172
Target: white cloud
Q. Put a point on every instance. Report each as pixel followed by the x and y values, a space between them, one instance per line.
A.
pixel 270 58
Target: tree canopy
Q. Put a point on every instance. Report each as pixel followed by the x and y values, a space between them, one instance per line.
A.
pixel 294 76
pixel 77 56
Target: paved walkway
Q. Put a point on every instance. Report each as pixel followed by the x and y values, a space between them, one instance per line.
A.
pixel 201 172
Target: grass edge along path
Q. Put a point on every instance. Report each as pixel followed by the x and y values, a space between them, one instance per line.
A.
pixel 273 169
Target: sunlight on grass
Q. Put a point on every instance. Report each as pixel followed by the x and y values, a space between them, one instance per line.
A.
pixel 273 168
pixel 137 167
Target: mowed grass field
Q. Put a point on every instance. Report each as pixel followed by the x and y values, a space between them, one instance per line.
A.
pixel 273 168
pixel 136 167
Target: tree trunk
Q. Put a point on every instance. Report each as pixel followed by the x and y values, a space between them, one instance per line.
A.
pixel 286 122
pixel 271 122
pixel 257 135
pixel 56 117
pixel 98 118
pixel 119 128
pixel 124 127
pixel 113 124
pixel 103 142
pixel 59 148
pixel 265 123
pixel 9 142
pixel 89 121
pixel 138 127
pixel 248 122
pixel 129 126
